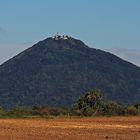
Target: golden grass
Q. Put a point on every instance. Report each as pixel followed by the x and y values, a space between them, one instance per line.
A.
pixel 112 128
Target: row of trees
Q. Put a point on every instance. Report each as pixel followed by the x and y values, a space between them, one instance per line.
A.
pixel 35 111
pixel 91 104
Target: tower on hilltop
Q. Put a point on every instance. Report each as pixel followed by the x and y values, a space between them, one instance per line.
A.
pixel 57 36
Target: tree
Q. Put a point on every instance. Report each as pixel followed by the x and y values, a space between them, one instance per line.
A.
pixel 91 103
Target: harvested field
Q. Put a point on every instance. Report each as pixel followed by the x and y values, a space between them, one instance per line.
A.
pixel 111 128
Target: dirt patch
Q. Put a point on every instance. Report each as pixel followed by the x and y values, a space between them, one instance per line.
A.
pixel 103 128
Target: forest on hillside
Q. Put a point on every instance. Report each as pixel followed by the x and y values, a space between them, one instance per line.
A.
pixel 91 104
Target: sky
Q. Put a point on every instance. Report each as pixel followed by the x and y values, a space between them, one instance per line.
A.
pixel 111 25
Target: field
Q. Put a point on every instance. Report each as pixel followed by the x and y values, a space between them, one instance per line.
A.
pixel 98 128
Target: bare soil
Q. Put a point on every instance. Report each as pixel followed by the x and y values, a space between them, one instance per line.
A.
pixel 99 128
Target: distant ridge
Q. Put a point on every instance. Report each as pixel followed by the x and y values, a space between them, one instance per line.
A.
pixel 59 69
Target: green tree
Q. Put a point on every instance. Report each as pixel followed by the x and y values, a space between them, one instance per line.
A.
pixel 91 103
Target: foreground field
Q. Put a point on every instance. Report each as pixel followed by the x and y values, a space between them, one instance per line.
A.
pixel 115 128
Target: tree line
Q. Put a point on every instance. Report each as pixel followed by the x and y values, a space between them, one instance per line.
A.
pixel 91 104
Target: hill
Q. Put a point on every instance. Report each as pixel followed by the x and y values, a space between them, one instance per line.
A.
pixel 58 70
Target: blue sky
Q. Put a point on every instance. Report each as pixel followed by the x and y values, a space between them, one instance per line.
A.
pixel 99 23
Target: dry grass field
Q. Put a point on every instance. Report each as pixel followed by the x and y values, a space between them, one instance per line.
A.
pixel 111 128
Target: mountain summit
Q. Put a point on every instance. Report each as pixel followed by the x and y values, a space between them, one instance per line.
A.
pixel 59 69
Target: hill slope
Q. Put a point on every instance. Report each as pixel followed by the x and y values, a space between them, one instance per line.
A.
pixel 56 71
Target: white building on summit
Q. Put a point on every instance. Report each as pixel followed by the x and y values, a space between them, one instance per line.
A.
pixel 57 37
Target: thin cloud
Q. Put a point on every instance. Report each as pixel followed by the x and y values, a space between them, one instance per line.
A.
pixel 131 55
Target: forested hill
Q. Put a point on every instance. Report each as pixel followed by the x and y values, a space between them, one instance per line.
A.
pixel 58 70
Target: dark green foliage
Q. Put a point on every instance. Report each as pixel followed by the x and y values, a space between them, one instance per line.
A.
pixel 20 111
pixel 137 106
pixel 57 72
pixel 91 103
pixel 26 112
pixel 49 111
pixel 2 111
pixel 113 108
pixel 131 110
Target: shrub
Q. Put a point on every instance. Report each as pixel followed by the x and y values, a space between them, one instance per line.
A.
pixel 113 108
pixel 131 110
pixel 2 111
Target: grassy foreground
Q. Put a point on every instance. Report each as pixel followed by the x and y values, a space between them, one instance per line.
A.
pixel 73 128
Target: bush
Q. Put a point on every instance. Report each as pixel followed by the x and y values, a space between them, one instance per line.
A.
pixel 113 108
pixel 131 110
pixel 20 111
pixel 2 111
